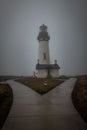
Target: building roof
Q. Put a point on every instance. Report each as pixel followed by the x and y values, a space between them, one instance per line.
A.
pixel 47 66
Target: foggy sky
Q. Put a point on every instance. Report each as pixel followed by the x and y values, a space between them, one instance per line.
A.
pixel 19 28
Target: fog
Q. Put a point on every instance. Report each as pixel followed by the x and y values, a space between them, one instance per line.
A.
pixel 19 28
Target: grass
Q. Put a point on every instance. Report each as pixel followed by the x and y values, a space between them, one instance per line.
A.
pixel 79 96
pixel 40 85
pixel 6 97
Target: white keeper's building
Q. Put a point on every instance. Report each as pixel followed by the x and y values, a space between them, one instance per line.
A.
pixel 43 67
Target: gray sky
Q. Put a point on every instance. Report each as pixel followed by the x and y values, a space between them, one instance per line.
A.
pixel 19 27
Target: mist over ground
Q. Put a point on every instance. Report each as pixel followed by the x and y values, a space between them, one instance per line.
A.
pixel 19 28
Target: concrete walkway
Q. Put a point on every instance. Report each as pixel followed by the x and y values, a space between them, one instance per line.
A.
pixel 52 111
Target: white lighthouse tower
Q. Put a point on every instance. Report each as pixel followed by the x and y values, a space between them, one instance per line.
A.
pixel 45 69
pixel 43 39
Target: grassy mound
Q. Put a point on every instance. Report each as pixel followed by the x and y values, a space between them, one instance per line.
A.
pixel 40 85
pixel 79 96
pixel 6 97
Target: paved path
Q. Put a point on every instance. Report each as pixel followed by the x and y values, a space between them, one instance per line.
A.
pixel 52 111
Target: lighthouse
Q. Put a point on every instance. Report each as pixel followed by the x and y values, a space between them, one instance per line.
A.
pixel 43 66
pixel 43 38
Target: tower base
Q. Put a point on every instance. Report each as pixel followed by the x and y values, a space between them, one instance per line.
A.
pixel 47 71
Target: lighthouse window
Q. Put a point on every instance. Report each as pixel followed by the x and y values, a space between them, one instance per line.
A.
pixel 44 56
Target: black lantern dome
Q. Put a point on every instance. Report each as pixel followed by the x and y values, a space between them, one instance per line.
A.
pixel 43 34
